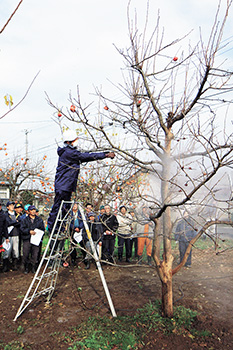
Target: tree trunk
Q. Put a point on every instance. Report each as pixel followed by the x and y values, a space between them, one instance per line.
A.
pixel 167 293
pixel 166 264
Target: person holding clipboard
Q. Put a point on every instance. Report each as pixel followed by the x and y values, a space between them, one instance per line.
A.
pixel 32 229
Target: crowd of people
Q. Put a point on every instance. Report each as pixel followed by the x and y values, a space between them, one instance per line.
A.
pixel 110 232
pixel 22 229
pixel 18 226
pixel 115 236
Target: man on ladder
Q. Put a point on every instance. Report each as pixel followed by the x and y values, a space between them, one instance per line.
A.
pixel 67 171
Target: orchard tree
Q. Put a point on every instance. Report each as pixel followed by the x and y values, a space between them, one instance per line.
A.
pixel 22 174
pixel 109 184
pixel 101 183
pixel 171 122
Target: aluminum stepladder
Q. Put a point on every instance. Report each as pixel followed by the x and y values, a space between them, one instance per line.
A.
pixel 97 261
pixel 45 278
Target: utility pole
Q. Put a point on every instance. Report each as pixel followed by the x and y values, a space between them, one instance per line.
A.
pixel 26 144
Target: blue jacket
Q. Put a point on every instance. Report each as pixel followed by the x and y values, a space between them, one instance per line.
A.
pixel 69 166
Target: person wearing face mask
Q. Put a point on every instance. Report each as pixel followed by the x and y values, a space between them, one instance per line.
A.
pixel 68 168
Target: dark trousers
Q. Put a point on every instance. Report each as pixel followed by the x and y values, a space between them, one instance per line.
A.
pixel 134 242
pixel 30 253
pixel 73 254
pixel 123 240
pixel 0 247
pixel 108 248
pixel 39 252
pixel 183 245
pixel 20 247
pixel 59 197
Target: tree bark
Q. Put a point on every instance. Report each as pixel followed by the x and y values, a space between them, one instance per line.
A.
pixel 167 296
pixel 167 293
pixel 166 265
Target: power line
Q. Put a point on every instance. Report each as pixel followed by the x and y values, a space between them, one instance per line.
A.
pixel 26 143
pixel 28 122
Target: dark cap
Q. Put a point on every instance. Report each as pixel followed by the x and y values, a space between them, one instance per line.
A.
pixel 31 207
pixel 18 205
pixel 91 214
pixel 123 206
pixel 101 207
pixel 9 203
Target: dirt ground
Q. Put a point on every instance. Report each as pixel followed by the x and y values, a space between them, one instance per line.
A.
pixel 205 287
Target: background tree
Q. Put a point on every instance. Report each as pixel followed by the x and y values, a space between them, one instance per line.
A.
pixel 171 124
pixel 26 175
pixel 101 184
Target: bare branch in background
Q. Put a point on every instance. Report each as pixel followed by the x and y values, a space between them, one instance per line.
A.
pixel 10 18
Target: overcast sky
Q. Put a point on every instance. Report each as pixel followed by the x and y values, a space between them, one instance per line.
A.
pixel 71 43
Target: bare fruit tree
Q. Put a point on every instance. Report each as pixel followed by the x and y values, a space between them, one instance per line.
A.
pixel 173 123
pixel 21 174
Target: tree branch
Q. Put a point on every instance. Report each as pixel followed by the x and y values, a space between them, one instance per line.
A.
pixel 9 19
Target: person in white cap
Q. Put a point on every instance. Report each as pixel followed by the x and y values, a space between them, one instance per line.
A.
pixel 67 171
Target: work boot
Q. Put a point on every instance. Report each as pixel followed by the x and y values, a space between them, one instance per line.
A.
pixel 33 269
pixel 6 265
pixel 26 269
pixel 21 267
pixel 119 258
pixel 73 262
pixel 87 263
pixel 149 260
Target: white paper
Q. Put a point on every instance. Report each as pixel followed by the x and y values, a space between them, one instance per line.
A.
pixel 10 228
pixel 78 237
pixel 36 239
pixel 6 246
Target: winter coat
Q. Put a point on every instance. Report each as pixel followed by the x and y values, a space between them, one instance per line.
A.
pixel 124 224
pixel 12 221
pixel 109 223
pixel 3 226
pixel 19 217
pixel 27 225
pixel 69 166
pixel 76 221
pixel 185 230
pixel 95 230
pixel 133 224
